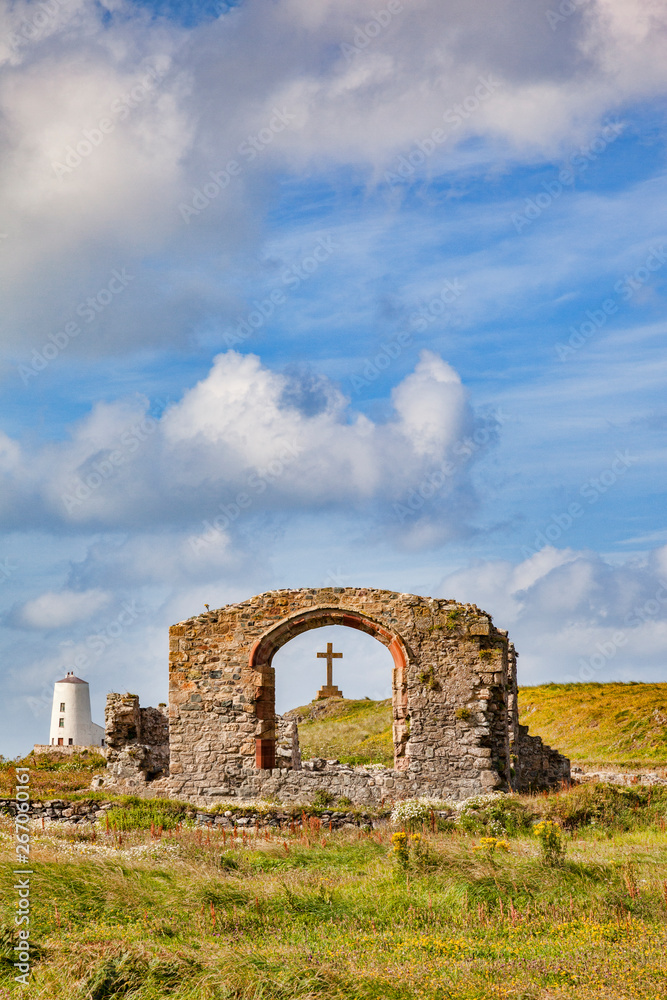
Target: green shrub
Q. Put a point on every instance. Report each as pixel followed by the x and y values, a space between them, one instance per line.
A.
pixel 551 842
pixel 454 618
pixel 322 799
pixel 609 807
pixel 412 813
pixel 68 763
pixel 401 848
pixel 412 853
pixel 495 816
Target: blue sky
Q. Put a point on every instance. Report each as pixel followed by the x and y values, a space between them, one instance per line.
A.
pixel 303 293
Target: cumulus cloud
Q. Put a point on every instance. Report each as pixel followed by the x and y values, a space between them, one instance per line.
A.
pixel 573 615
pixel 60 609
pixel 273 87
pixel 237 439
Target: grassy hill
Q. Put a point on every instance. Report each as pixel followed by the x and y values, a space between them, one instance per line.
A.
pixel 624 725
pixel 620 724
pixel 354 732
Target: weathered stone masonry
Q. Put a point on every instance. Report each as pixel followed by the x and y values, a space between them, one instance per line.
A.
pixel 454 693
pixel 137 741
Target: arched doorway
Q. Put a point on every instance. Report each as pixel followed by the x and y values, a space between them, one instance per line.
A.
pixel 350 721
pixel 261 663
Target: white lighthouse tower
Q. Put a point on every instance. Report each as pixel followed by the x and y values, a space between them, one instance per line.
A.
pixel 71 724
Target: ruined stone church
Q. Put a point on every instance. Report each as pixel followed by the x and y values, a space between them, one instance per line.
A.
pixel 454 695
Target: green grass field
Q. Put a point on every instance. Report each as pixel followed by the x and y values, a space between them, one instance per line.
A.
pixel 149 906
pixel 355 732
pixel 198 915
pixel 621 725
pixel 624 725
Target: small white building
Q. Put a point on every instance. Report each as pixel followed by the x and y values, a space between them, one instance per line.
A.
pixel 71 724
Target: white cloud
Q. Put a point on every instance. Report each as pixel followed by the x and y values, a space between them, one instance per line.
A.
pixel 220 83
pixel 59 609
pixel 573 615
pixel 431 405
pixel 238 438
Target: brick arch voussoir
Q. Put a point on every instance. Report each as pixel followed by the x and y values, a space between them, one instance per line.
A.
pixel 266 646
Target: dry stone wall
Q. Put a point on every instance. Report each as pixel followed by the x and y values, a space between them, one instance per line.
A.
pixel 70 750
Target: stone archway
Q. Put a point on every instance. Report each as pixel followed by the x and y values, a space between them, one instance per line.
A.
pixel 265 648
pixel 454 690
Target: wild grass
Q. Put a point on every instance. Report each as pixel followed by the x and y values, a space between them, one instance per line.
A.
pixel 353 731
pixel 52 775
pixel 198 914
pixel 600 724
pixel 144 814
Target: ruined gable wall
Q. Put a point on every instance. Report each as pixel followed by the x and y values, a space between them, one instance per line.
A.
pixel 450 702
pixel 541 767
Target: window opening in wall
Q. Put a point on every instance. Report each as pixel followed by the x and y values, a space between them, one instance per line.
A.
pixel 70 742
pixel 61 723
pixel 356 727
pixel 62 706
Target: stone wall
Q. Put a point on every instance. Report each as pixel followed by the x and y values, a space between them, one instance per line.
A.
pixel 454 696
pixel 451 682
pixel 137 741
pixel 84 812
pixel 372 786
pixel 540 767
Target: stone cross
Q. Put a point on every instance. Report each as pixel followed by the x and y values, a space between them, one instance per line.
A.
pixel 329 690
